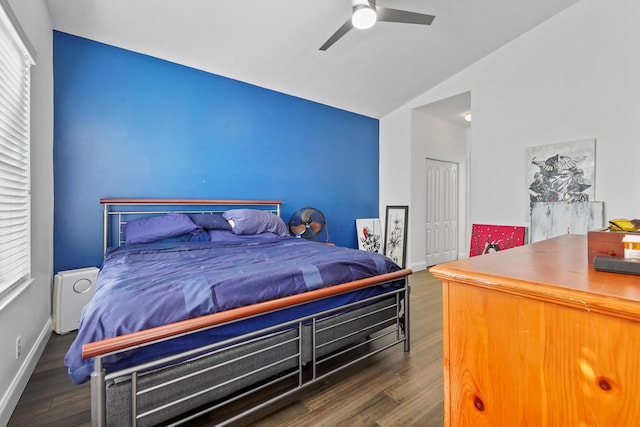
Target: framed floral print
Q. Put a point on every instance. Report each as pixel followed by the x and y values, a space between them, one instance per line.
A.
pixel 395 242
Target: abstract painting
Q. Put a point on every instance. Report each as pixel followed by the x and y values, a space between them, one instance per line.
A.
pixel 487 238
pixel 369 234
pixel 562 172
pixel 551 219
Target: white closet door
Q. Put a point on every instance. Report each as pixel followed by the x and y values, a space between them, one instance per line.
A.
pixel 441 228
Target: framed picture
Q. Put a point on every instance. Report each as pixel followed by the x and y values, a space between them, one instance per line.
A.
pixel 488 238
pixel 395 242
pixel 551 219
pixel 369 233
pixel 563 172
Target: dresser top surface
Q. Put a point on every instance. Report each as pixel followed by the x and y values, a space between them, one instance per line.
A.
pixel 553 269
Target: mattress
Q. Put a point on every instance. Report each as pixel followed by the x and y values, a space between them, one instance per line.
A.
pixel 143 286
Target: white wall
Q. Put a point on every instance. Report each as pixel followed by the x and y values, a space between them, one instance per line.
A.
pixel 573 77
pixel 27 312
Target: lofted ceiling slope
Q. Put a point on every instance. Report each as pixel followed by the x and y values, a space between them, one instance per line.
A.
pixel 275 44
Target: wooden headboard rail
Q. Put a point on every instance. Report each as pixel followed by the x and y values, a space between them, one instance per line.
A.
pixel 159 333
pixel 120 208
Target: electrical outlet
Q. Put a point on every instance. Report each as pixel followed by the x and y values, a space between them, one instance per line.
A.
pixel 18 347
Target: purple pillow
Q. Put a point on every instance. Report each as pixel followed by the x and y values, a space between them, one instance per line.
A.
pixel 150 229
pixel 210 221
pixel 228 236
pixel 197 235
pixel 251 221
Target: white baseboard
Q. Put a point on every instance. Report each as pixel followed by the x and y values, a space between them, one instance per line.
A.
pixel 418 266
pixel 11 397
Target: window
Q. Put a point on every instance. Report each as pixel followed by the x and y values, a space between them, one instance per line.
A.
pixel 15 199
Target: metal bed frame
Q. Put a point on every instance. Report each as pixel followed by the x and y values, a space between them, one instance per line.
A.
pixel 289 356
pixel 116 212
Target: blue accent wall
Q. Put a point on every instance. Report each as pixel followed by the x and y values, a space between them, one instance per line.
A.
pixel 130 125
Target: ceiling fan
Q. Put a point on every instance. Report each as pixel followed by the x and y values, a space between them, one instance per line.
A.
pixel 366 13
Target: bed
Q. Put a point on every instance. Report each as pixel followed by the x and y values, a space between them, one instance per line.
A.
pixel 210 306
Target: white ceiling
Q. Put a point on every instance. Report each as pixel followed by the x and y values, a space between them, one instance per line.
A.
pixel 274 44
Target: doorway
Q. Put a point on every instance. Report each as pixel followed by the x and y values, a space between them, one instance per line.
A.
pixel 441 228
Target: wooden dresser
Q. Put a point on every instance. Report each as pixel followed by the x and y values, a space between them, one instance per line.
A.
pixel 534 336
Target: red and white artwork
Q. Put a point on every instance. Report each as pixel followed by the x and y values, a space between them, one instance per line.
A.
pixel 486 238
pixel 369 234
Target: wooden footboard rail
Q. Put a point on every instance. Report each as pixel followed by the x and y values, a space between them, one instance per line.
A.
pixel 101 349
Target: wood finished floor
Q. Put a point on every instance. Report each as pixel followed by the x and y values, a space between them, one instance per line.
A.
pixel 391 389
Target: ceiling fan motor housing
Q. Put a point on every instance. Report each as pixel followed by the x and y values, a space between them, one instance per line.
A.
pixel 373 14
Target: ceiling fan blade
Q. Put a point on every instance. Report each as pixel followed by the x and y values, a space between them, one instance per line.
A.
pixel 336 36
pixel 403 16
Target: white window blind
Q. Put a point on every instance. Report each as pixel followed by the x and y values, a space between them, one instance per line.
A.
pixel 15 190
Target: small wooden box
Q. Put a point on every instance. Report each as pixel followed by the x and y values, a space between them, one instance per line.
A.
pixel 606 243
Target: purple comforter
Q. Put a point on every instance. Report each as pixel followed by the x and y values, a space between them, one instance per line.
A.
pixel 143 286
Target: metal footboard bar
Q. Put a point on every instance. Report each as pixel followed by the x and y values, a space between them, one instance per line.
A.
pixel 211 368
pixel 400 330
pixel 137 393
pixel 390 330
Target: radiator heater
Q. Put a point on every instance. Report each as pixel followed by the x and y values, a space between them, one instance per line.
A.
pixel 72 289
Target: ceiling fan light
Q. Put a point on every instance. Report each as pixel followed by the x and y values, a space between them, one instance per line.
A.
pixel 364 16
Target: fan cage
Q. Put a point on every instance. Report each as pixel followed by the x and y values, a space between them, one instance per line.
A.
pixel 308 223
